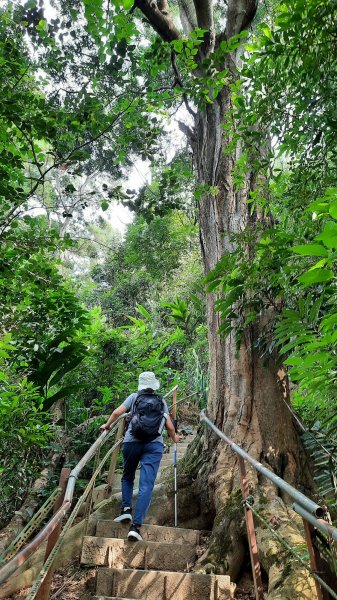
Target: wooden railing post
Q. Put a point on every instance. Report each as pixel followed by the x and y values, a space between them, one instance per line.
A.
pixel 114 458
pixel 43 593
pixel 254 555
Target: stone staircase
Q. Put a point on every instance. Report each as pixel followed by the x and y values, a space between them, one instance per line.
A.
pixel 101 491
pixel 158 568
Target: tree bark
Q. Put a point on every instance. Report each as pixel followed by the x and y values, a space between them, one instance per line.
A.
pixel 246 397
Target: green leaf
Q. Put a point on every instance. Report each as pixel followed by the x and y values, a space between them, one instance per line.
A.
pixel 315 276
pixel 333 210
pixel 70 366
pixel 62 393
pixel 42 26
pixel 329 235
pixel 178 46
pixel 104 205
pixel 144 312
pixel 310 250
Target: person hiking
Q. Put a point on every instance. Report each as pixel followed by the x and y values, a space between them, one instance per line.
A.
pixel 143 443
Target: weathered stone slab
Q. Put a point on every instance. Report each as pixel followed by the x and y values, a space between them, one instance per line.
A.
pixel 101 493
pixel 123 554
pixel 150 533
pixel 161 585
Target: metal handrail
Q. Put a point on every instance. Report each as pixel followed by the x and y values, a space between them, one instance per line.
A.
pixel 171 391
pixel 50 559
pixel 320 524
pixel 11 566
pixel 309 505
pixel 310 511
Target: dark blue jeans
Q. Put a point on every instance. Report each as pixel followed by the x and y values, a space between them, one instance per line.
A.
pixel 149 455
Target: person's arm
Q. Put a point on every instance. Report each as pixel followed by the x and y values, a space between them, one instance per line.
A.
pixel 120 410
pixel 170 430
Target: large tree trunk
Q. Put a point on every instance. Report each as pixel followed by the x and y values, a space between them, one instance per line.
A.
pixel 246 398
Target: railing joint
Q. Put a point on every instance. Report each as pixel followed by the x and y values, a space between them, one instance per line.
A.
pixel 248 502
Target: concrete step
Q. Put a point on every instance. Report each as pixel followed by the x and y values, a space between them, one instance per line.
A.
pixel 150 533
pixel 181 449
pixel 168 462
pixel 170 457
pixel 123 554
pixel 162 585
pixel 182 446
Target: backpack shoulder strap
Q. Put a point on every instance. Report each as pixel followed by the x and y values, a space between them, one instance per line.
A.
pixel 134 403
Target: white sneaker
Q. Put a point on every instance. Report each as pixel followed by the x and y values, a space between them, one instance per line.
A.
pixel 125 516
pixel 134 534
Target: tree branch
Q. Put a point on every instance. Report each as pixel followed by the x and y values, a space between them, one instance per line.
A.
pixel 204 12
pixel 180 83
pixel 163 7
pixel 187 131
pixel 161 22
pixel 240 15
pixel 188 15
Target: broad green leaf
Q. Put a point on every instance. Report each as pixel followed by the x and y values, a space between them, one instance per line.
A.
pixel 316 276
pixel 310 250
pixel 329 235
pixel 333 210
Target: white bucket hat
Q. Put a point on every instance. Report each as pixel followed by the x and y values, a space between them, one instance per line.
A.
pixel 148 380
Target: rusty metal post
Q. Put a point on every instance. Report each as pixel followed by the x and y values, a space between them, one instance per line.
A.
pixel 253 550
pixel 114 458
pixel 322 594
pixel 175 423
pixel 43 593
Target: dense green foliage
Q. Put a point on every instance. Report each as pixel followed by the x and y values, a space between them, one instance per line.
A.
pixel 84 95
pixel 22 431
pixel 68 361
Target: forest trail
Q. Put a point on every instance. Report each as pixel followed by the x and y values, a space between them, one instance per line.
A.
pixel 158 568
pixel 165 565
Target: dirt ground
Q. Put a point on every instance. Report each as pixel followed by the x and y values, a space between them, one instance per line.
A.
pixel 245 587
